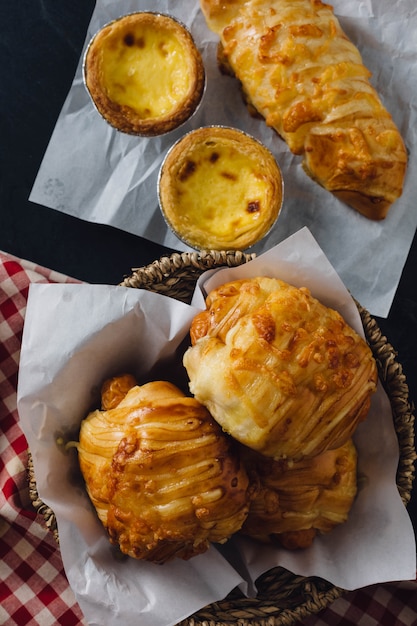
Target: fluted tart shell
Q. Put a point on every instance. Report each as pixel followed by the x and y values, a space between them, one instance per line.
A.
pixel 144 73
pixel 220 189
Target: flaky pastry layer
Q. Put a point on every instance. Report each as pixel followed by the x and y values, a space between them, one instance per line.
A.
pixel 161 474
pixel 297 501
pixel 281 372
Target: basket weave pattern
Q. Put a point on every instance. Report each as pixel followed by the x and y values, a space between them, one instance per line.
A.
pixel 283 598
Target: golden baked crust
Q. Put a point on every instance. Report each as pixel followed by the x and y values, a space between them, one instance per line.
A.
pixel 296 501
pixel 162 476
pixel 144 73
pixel 114 390
pixel 299 70
pixel 281 372
pixel 220 189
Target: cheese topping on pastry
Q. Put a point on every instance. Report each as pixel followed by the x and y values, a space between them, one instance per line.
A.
pixel 282 373
pixel 300 71
pixel 220 189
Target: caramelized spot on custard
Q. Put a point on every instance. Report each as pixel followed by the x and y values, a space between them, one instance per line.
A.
pixel 187 170
pixel 129 39
pixel 253 207
pixel 140 42
pixel 214 156
pixel 228 175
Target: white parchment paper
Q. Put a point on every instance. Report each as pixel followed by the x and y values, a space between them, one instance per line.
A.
pixel 95 173
pixel 74 337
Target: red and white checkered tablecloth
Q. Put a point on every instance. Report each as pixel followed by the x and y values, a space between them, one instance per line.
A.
pixel 34 590
pixel 33 586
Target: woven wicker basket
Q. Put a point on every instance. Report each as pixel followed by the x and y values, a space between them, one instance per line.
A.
pixel 283 598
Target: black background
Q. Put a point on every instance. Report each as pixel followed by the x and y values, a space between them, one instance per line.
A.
pixel 40 46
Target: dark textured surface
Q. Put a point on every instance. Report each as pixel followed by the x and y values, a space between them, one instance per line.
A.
pixel 40 45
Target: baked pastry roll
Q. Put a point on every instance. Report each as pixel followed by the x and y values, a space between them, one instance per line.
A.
pixel 114 390
pixel 300 72
pixel 164 479
pixel 297 501
pixel 281 372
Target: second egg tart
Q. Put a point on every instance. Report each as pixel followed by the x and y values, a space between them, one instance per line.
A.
pixel 220 189
pixel 144 73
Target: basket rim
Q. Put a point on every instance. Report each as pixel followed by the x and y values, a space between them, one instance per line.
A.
pixel 175 275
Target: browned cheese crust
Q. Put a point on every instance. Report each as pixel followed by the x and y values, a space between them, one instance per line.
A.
pixel 114 390
pixel 297 501
pixel 281 372
pixel 161 474
pixel 303 75
pixel 144 73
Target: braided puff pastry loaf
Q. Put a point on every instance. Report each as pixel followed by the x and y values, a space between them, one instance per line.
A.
pixel 297 501
pixel 161 474
pixel 282 373
pixel 299 71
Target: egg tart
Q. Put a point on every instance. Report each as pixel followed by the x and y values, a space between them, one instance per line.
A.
pixel 144 73
pixel 220 189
